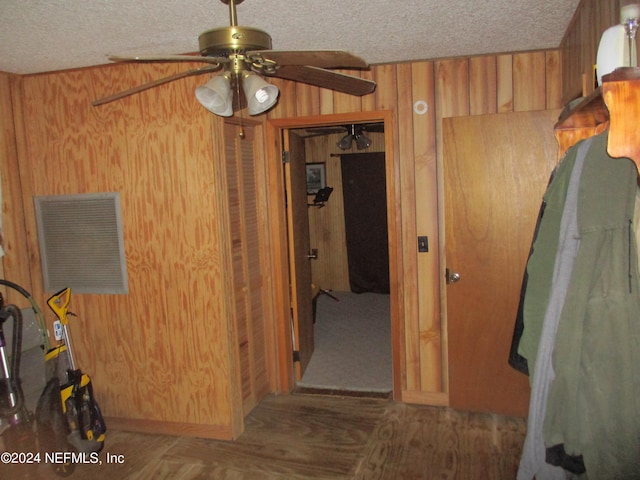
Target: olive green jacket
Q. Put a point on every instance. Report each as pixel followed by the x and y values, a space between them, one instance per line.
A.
pixel 593 406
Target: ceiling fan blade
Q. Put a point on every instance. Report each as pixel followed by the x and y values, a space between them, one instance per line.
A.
pixel 316 58
pixel 325 131
pixel 373 127
pixel 168 58
pixel 319 77
pixel 367 127
pixel 155 83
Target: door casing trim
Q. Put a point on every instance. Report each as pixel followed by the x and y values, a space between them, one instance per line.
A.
pixel 283 378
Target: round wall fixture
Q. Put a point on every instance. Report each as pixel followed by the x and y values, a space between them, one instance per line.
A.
pixel 421 107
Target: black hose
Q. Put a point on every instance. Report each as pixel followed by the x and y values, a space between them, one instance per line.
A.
pixel 15 286
pixel 36 310
pixel 13 382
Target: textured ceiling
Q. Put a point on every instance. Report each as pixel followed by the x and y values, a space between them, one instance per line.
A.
pixel 48 35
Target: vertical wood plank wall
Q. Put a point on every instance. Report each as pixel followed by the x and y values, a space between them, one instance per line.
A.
pixel 165 356
pixel 13 231
pixel 580 45
pixel 448 87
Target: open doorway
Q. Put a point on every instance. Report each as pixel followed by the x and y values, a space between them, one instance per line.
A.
pixel 348 233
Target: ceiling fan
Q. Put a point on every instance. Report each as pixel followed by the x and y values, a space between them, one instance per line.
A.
pixel 354 132
pixel 369 127
pixel 244 55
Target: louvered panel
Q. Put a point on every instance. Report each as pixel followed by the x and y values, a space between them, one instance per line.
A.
pixel 259 374
pixel 81 243
pixel 245 148
pixel 247 277
pixel 237 257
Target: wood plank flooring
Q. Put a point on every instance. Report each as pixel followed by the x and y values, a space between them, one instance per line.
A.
pixel 326 437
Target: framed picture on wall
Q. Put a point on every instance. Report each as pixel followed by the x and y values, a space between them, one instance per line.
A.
pixel 316 177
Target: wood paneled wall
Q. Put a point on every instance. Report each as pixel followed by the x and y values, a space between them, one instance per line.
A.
pixel 164 357
pixel 13 228
pixel 443 88
pixel 580 44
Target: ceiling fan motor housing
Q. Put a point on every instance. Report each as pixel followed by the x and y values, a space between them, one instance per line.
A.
pixel 226 40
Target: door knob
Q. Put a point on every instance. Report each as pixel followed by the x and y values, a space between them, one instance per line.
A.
pixel 451 277
pixel 313 255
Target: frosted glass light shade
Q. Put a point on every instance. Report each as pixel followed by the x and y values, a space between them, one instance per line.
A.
pixel 261 96
pixel 216 96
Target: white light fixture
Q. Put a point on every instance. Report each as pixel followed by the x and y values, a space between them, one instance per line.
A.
pixel 261 96
pixel 216 96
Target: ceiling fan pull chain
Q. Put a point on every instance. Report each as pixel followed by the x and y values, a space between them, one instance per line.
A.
pixel 241 134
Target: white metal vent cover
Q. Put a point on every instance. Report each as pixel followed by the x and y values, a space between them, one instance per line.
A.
pixel 81 242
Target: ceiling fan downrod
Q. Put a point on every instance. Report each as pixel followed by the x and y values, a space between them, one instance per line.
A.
pixel 220 41
pixel 233 17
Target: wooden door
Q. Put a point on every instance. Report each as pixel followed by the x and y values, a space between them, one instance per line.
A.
pixel 299 247
pixel 496 168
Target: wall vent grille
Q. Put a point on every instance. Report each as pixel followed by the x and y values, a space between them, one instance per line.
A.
pixel 81 243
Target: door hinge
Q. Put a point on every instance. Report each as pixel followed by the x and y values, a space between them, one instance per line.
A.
pixel 296 355
pixel 285 157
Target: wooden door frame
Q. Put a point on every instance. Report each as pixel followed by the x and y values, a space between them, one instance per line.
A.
pixel 283 379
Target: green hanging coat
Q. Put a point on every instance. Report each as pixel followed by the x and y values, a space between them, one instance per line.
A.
pixel 593 408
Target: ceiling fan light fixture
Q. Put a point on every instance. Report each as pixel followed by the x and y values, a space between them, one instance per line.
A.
pixel 345 142
pixel 362 142
pixel 216 96
pixel 261 96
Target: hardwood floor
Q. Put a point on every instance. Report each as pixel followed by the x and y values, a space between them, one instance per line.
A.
pixel 326 437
